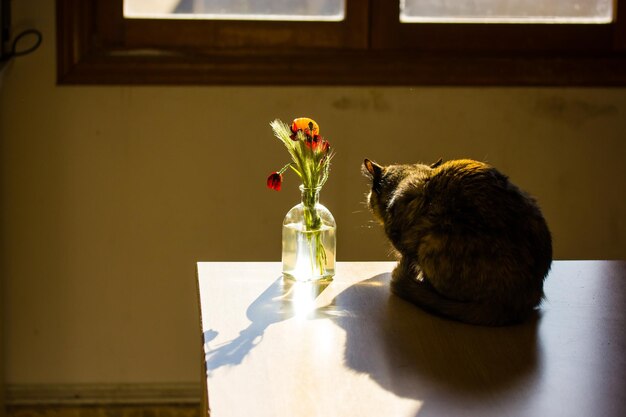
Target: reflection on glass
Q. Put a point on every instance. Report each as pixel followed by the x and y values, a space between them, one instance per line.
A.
pixel 311 10
pixel 505 11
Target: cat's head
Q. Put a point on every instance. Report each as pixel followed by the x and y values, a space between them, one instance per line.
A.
pixel 386 181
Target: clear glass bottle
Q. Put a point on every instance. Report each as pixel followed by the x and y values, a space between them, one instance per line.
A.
pixel 309 240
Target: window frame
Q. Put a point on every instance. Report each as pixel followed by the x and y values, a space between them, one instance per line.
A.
pixel 96 45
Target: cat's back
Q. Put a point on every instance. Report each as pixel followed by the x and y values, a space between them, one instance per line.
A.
pixel 468 193
pixel 480 206
pixel 466 178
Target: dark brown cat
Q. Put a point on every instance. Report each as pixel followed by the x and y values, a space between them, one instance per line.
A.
pixel 473 247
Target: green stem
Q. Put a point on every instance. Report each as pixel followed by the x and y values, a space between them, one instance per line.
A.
pixel 313 224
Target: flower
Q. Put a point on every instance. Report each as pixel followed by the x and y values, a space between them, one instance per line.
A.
pixel 308 126
pixel 310 153
pixel 317 144
pixel 274 181
pixel 312 142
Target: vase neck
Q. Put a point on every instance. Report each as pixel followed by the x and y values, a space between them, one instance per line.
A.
pixel 310 196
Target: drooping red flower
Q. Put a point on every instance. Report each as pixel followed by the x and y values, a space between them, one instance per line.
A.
pixel 274 181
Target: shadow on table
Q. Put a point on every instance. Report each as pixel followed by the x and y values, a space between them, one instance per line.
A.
pixel 452 368
pixel 282 300
pixel 442 363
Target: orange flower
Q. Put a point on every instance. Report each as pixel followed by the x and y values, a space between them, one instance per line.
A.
pixel 308 126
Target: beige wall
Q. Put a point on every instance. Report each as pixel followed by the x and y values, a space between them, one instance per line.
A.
pixel 111 194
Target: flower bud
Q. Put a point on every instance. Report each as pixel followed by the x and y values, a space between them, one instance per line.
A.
pixel 274 181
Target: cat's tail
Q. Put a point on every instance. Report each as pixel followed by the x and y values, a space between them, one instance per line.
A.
pixel 422 294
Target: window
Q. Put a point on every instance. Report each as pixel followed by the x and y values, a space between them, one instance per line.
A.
pixel 298 10
pixel 499 11
pixel 332 42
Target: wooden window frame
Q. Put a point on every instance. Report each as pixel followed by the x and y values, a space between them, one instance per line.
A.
pixel 96 45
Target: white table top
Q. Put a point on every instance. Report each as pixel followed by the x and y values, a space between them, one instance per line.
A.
pixel 348 348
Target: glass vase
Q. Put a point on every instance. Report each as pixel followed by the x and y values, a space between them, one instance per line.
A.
pixel 309 241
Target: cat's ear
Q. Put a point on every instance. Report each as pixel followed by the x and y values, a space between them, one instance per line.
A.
pixel 436 164
pixel 372 168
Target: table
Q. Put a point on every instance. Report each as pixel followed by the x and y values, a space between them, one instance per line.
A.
pixel 275 348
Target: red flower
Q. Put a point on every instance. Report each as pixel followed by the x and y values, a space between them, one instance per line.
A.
pixel 325 146
pixel 274 181
pixel 312 142
pixel 317 144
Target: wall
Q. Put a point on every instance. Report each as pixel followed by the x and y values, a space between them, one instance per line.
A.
pixel 111 194
pixel 2 304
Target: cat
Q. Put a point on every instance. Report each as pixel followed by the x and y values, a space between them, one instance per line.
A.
pixel 472 246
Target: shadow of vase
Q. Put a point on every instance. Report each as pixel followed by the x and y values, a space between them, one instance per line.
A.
pixel 282 300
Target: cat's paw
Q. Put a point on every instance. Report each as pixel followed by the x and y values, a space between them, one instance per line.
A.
pixel 399 271
pixel 403 272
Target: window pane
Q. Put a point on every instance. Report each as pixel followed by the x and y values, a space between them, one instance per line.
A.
pixel 506 11
pixel 311 10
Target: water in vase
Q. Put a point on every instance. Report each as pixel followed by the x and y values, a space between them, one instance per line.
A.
pixel 308 255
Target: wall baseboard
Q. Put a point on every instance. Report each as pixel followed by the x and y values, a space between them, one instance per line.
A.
pixel 104 394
